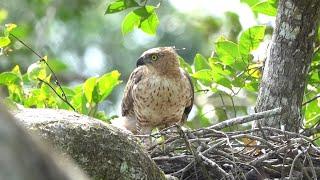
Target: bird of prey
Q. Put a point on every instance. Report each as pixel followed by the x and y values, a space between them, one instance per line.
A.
pixel 158 93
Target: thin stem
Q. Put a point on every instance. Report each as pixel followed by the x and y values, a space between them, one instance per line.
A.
pixel 64 97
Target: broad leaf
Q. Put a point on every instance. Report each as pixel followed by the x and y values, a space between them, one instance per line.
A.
pixel 145 18
pixel 150 23
pixel 218 67
pixel 130 22
pixel 120 5
pixel 205 75
pixel 312 112
pixel 200 63
pixel 106 84
pixel 185 65
pixel 265 8
pixel 227 51
pixel 250 39
pixel 10 27
pixel 4 41
pixel 250 2
pixel 8 78
pixel 88 88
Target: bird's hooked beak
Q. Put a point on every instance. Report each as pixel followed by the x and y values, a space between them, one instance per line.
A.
pixel 141 61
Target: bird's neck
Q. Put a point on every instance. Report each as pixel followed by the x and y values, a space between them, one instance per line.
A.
pixel 170 71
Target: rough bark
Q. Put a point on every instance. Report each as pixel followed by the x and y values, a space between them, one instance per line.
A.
pixel 288 62
pixel 23 157
pixel 101 150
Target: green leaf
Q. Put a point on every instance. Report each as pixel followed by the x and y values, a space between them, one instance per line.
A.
pixel 200 62
pixel 79 102
pixel 185 65
pixel 101 115
pixel 130 22
pixel 36 70
pixel 8 78
pixel 9 27
pixel 107 83
pixel 88 88
pixel 218 67
pixel 312 109
pixel 222 80
pixel 4 41
pixel 250 39
pixel 252 86
pixel 250 2
pixel 69 92
pixel 145 18
pixel 227 51
pixel 120 5
pixel 205 75
pixel 265 8
pixel 150 23
pixel 16 70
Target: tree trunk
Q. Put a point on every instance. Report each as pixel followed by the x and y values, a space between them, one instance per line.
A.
pixel 288 61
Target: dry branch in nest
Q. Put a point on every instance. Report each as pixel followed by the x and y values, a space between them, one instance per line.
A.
pixel 209 153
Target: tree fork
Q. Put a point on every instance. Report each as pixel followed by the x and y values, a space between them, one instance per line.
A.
pixel 288 62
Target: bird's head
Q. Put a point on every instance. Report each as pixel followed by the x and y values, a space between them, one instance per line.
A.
pixel 161 59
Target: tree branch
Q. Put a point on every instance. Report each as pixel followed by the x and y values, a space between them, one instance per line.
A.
pixel 248 118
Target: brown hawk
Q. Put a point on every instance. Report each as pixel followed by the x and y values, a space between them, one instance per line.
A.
pixel 158 93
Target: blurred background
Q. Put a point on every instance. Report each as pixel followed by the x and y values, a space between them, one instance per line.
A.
pixel 81 42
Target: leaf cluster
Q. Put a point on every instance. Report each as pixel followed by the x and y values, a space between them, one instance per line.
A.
pixel 35 89
pixel 143 17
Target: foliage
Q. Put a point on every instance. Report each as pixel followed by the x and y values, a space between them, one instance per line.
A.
pixel 143 17
pixel 35 89
pixel 28 90
pixel 267 7
pixel 5 40
pixel 231 67
pixel 228 72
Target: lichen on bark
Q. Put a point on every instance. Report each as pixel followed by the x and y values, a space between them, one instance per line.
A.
pixel 101 150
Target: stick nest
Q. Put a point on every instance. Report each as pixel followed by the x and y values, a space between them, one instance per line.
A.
pixel 208 153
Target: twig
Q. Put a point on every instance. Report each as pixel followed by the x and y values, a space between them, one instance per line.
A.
pixel 189 147
pixel 215 166
pixel 34 52
pixel 233 106
pixel 287 133
pixel 183 170
pixel 248 118
pixel 224 105
pixel 166 158
pixel 258 160
pixel 295 160
pixel 64 97
pixel 312 130
pixel 255 138
pixel 309 101
pixel 64 100
pixel 203 90
pixel 313 171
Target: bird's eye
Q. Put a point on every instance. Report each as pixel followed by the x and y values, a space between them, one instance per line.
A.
pixel 154 57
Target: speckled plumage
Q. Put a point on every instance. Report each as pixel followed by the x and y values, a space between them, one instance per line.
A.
pixel 158 93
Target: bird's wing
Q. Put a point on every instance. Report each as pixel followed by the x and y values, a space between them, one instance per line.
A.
pixel 189 106
pixel 127 101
